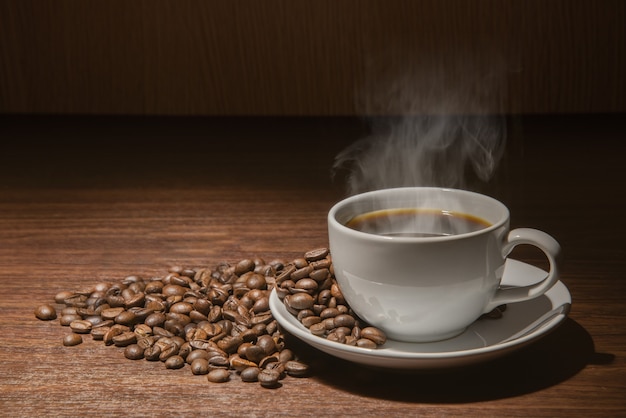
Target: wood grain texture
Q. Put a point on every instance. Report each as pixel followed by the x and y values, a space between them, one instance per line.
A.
pixel 150 193
pixel 283 57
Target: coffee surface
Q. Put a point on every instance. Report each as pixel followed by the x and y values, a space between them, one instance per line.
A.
pixel 413 222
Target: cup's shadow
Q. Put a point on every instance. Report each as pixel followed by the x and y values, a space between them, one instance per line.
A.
pixel 544 363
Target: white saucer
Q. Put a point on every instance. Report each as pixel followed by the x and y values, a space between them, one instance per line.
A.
pixel 485 339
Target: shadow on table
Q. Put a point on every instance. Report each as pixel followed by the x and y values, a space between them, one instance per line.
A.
pixel 554 359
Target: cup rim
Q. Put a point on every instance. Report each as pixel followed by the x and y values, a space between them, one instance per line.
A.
pixel 332 218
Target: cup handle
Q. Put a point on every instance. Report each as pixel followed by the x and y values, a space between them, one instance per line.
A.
pixel 551 249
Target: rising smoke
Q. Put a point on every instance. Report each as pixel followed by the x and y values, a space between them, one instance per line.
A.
pixel 448 132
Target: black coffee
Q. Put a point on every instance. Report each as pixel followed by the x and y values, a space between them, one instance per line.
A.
pixel 412 222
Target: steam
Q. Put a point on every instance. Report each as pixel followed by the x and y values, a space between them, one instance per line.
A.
pixel 433 143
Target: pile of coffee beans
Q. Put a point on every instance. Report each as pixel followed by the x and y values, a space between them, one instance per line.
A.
pixel 217 321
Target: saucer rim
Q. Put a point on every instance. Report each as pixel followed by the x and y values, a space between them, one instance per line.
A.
pixel 369 356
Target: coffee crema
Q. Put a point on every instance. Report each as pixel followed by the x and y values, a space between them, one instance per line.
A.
pixel 416 222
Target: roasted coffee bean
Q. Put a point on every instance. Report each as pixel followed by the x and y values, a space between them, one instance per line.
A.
pixel 285 274
pixel 219 361
pixel 262 318
pixel 306 285
pixel 256 281
pixel 152 353
pixel 200 366
pixel 336 337
pixel 127 318
pixel 365 343
pixel 66 320
pixel 239 364
pixel 95 320
pixel 318 329
pixel 261 305
pixel 301 273
pixel 174 362
pixel 46 312
pixel 296 368
pixel 255 353
pixel 181 308
pixel 99 332
pixel 329 313
pixel 267 360
pixel 111 313
pixel 72 339
pixel 286 355
pixel 374 334
pixel 319 275
pixel 173 290
pixel 60 297
pixel 145 342
pixel 218 376
pixel 133 352
pixel 300 301
pixel 161 332
pixel 278 366
pixel 344 320
pixel 155 319
pixel 316 254
pixel 81 326
pixel 244 266
pixel 268 378
pixel 267 344
pixel 143 330
pixel 250 374
pixel 136 300
pixel 125 339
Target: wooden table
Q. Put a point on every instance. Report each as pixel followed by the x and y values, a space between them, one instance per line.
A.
pixel 91 199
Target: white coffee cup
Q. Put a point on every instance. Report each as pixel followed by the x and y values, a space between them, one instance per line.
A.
pixel 428 288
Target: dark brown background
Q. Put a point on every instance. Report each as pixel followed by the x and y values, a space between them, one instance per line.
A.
pixel 123 150
pixel 284 57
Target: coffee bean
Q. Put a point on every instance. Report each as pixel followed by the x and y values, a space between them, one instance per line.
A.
pixel 316 254
pixel 319 275
pixel 296 368
pixel 365 343
pixel 256 281
pixel 99 332
pixel 239 364
pixel 124 339
pixel 62 296
pixel 200 366
pixel 244 266
pixel 250 374
pixel 66 320
pixel 174 362
pixel 218 376
pixel 344 320
pixel 133 352
pixel 374 334
pixel 267 344
pixel 152 353
pixel 72 339
pixel 301 273
pixel 269 378
pixel 318 329
pixel 261 305
pixel 46 312
pixel 286 355
pixel 127 318
pixel 301 301
pixel 81 326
